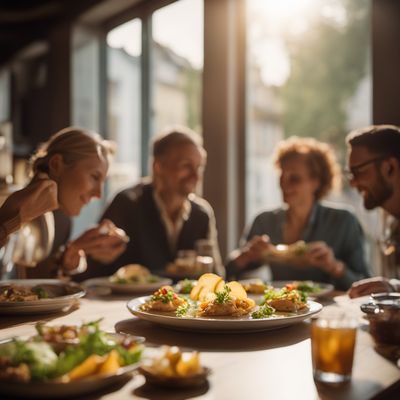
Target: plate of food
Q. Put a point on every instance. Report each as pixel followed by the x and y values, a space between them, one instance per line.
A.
pixel 294 253
pixel 216 306
pixel 313 289
pixel 130 279
pixel 35 368
pixel 35 296
pixel 171 367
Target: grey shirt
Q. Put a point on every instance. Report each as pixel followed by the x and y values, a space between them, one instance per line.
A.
pixel 338 228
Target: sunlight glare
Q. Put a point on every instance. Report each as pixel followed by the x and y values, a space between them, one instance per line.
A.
pixel 179 26
pixel 284 9
pixel 269 21
pixel 128 37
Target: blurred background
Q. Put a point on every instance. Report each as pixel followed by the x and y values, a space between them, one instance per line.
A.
pixel 243 73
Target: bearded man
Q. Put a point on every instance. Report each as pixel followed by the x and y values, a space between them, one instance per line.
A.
pixel 374 170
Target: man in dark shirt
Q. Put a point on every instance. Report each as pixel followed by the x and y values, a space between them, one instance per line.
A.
pixel 162 215
pixel 374 170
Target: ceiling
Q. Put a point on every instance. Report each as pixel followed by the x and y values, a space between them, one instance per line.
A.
pixel 25 21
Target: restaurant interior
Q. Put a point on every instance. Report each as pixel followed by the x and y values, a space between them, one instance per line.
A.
pixel 245 75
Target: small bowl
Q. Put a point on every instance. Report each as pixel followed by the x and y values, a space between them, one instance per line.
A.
pixel 175 381
pixel 383 314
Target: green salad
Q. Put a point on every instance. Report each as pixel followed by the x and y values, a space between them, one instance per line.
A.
pixel 37 359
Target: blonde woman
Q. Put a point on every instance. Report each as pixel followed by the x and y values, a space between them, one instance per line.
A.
pixel 77 161
pixel 308 172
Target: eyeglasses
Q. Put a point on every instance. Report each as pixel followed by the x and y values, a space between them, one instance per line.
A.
pixel 352 172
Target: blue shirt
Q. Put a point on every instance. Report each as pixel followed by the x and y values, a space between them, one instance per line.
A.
pixel 338 228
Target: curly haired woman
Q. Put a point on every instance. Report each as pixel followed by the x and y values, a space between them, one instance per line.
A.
pixel 335 254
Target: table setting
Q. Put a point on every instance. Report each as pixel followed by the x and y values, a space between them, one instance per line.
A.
pixel 240 356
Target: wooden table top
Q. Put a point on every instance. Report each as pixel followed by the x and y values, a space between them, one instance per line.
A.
pixel 263 365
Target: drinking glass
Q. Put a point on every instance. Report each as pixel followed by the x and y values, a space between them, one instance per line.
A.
pixel 333 341
pixel 27 247
pixel 186 259
pixel 205 255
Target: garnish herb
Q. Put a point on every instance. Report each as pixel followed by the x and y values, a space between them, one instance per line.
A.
pixel 182 310
pixel 186 286
pixel 223 296
pixel 264 311
pixel 164 295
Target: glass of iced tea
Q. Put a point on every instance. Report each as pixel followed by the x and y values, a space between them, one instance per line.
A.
pixel 333 341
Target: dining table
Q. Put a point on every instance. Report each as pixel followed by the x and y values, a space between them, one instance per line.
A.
pixel 270 364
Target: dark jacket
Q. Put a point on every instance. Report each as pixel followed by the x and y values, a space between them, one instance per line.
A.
pixel 134 210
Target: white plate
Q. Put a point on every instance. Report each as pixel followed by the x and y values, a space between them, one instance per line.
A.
pixel 220 324
pixel 126 288
pixel 54 390
pixel 69 291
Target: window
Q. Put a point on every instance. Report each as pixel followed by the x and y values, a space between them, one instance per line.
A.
pixel 177 55
pixel 308 75
pixel 124 111
pixel 86 105
pixel 4 95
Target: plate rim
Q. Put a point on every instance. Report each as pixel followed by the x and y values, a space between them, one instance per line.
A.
pixel 185 381
pixel 42 302
pixel 217 324
pixel 16 388
pixel 126 287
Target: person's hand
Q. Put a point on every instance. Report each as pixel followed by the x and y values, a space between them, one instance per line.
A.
pixel 320 255
pixel 37 198
pixel 253 251
pixel 72 257
pixel 104 243
pixel 367 286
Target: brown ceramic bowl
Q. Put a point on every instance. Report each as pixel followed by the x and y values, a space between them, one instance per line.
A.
pixel 383 314
pixel 174 381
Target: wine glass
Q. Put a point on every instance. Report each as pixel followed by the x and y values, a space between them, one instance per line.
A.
pixel 389 245
pixel 27 247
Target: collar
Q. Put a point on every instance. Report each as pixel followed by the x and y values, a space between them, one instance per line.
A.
pixel 311 221
pixel 184 211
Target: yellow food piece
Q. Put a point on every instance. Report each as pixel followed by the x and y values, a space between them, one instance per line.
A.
pixel 173 355
pixel 173 363
pixel 87 368
pixel 220 286
pixel 206 284
pixel 237 290
pixel 111 363
pixel 205 293
pixel 211 283
pixel 189 364
pixel 163 367
pixel 194 293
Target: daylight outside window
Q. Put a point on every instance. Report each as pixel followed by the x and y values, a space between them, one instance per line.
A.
pixel 308 75
pixel 177 59
pixel 123 114
pixel 308 64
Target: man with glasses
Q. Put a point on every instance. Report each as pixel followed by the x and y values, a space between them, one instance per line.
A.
pixel 374 170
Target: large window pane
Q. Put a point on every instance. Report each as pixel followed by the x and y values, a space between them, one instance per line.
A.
pixel 177 60
pixel 309 75
pixel 85 105
pixel 123 55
